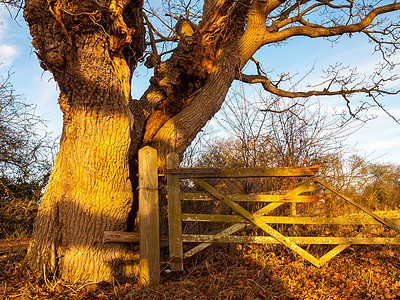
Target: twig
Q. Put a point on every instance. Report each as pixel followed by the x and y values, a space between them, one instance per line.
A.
pixel 158 292
pixel 89 283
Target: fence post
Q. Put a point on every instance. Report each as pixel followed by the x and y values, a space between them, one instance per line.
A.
pixel 174 215
pixel 148 217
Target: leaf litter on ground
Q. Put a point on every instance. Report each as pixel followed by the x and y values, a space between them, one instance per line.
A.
pixel 359 272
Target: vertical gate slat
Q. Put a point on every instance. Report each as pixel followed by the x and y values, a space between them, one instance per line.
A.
pixel 174 215
pixel 148 217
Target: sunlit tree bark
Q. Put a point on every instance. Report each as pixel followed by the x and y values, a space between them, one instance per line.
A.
pixel 89 189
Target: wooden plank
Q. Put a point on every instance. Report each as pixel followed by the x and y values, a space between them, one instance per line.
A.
pixel 242 172
pixel 201 238
pixel 332 253
pixel 192 171
pixel 293 213
pixel 293 209
pixel 307 186
pixel 226 232
pixel 214 218
pixel 257 198
pixel 121 237
pixel 258 222
pixel 174 216
pixel 384 221
pixel 125 237
pixel 286 220
pixel 148 217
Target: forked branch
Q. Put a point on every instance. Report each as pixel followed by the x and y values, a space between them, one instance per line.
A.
pixel 345 93
pixel 315 31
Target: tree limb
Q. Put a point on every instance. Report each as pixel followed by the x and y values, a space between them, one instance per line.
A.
pixel 321 31
pixel 270 87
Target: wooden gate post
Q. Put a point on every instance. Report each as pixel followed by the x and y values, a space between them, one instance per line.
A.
pixel 149 243
pixel 174 215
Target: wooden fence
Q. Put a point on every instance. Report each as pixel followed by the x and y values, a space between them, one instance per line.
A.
pixel 148 214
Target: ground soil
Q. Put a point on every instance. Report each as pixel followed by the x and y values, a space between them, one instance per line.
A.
pixel 360 272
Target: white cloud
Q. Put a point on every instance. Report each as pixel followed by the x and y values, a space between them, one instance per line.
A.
pixel 383 145
pixel 7 54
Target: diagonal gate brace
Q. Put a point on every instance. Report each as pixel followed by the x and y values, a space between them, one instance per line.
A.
pixel 307 186
pixel 383 221
pixel 256 220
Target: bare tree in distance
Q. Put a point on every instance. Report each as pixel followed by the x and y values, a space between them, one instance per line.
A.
pixel 24 152
pixel 293 133
pixel 299 133
pixel 197 50
pixel 25 162
pixel 376 184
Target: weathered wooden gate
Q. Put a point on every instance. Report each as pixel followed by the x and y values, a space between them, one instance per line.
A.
pixel 148 236
pixel 259 218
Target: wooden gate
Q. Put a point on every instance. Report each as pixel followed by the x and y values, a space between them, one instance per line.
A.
pixel 148 235
pixel 260 218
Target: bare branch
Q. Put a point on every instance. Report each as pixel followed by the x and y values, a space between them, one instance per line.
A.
pixel 381 106
pixel 287 110
pixel 345 93
pixel 320 31
pixel 152 40
pixel 270 87
pixel 13 3
pixel 162 21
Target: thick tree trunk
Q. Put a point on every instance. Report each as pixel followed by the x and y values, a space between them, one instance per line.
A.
pixel 90 190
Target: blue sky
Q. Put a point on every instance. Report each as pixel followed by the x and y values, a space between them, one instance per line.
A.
pixel 378 138
pixel 28 78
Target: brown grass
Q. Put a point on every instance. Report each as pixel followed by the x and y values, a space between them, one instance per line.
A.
pixel 360 272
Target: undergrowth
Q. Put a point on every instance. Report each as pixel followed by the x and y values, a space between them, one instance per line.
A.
pixel 18 207
pixel 360 272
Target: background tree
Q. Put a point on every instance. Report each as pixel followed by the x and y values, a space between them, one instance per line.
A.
pixel 92 49
pixel 24 152
pixel 295 134
pixel 289 133
pixel 376 184
pixel 25 162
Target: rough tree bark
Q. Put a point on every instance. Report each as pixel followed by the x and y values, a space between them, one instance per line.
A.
pixel 89 190
pixel 92 48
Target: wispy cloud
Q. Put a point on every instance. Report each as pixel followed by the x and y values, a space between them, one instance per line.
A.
pixel 8 51
pixel 7 55
pixel 385 144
